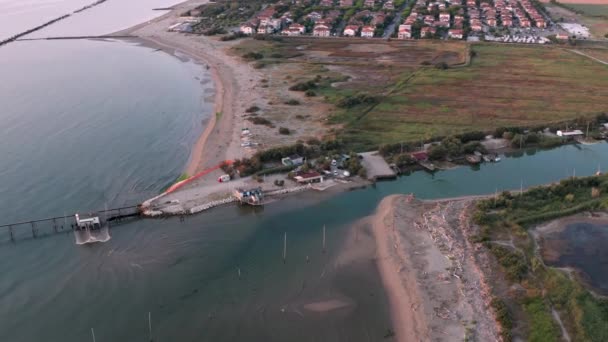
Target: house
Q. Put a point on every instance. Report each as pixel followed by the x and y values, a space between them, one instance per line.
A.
pixel 247 28
pixel 444 17
pixel 389 5
pixel 350 30
pixel 314 16
pixel 346 3
pixel 507 22
pixel 265 29
pixel 455 33
pixel 297 28
pixel 404 32
pixel 541 23
pixel 369 3
pixel 476 25
pixel 379 18
pixel 427 31
pixel 321 31
pixel 326 3
pixel 368 31
pixel 491 22
pixel 420 156
pixel 429 19
pixel 309 177
pixel 293 160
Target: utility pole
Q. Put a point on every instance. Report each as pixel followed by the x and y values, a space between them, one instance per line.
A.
pixel 323 238
pixel 285 247
pixel 150 325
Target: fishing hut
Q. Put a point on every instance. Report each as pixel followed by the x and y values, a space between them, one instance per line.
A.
pixel 87 223
pixel 252 196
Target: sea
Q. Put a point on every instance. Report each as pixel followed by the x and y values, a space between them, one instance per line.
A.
pixel 92 123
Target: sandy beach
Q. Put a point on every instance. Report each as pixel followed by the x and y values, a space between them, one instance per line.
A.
pixel 430 271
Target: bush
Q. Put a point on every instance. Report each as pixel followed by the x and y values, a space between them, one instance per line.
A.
pixel 261 121
pixel 503 316
pixel 303 86
pixel 252 109
pixel 310 93
pixel 284 130
pixel 253 55
pixel 441 66
pixel 292 102
pixel 354 100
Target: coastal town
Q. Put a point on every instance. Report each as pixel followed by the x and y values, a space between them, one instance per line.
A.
pixel 472 20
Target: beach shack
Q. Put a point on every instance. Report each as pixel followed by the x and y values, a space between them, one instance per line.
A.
pixel 250 196
pixel 88 223
pixel 309 177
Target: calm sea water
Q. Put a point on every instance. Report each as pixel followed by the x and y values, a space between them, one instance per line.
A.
pixel 84 123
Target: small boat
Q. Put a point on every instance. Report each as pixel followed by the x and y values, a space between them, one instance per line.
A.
pixel 497 159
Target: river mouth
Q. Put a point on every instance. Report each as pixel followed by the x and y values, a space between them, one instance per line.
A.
pixel 578 243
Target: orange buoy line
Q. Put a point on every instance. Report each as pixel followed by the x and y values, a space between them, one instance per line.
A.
pixel 196 176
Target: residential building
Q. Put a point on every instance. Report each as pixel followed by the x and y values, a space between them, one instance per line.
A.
pixel 350 30
pixel 427 31
pixel 321 31
pixel 455 33
pixel 368 31
pixel 248 28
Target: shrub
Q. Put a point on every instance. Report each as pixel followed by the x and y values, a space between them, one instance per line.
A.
pixel 303 86
pixel 292 102
pixel 441 66
pixel 284 130
pixel 261 121
pixel 354 100
pixel 252 109
pixel 253 55
pixel 310 93
pixel 259 65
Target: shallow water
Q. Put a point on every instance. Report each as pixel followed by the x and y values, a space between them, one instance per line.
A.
pixel 85 123
pixel 582 246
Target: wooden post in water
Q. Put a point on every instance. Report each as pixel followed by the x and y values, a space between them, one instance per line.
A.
pixel 34 230
pixel 93 334
pixel 54 225
pixel 10 231
pixel 323 238
pixel 239 271
pixel 285 248
pixel 150 325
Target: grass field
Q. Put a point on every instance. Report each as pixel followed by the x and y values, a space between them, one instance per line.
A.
pixel 591 9
pixel 504 85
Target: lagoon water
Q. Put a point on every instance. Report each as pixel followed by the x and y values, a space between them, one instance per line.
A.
pixel 186 274
pixel 582 246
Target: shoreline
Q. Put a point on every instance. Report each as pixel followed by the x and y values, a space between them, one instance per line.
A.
pixel 216 143
pixel 430 272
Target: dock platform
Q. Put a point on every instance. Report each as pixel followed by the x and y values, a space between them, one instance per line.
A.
pixel 377 168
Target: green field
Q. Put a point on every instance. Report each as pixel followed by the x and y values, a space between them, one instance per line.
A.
pixel 590 10
pixel 504 86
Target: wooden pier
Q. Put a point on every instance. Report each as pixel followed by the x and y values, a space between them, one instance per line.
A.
pixel 59 224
